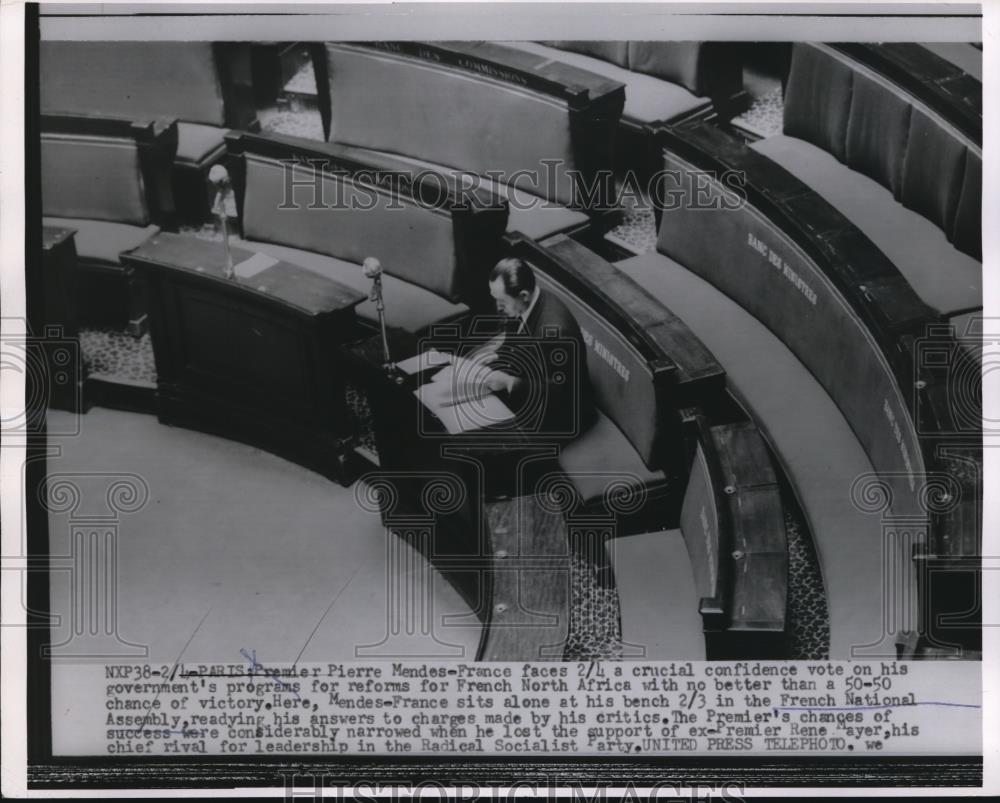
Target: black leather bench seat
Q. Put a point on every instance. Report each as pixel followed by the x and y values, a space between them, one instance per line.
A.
pixel 407 305
pixel 945 278
pixel 648 99
pixel 819 451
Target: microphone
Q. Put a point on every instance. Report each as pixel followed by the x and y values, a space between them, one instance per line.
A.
pixel 218 177
pixel 372 269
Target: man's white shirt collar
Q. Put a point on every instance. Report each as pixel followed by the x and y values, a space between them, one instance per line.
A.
pixel 531 305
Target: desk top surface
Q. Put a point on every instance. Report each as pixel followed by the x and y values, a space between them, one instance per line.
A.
pixel 283 281
pixel 53 235
pixel 503 436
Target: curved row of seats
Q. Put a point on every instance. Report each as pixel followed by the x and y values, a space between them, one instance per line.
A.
pixel 665 82
pixel 813 288
pixel 206 86
pixel 523 122
pixel 562 107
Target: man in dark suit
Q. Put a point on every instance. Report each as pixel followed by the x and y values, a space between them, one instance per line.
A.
pixel 539 364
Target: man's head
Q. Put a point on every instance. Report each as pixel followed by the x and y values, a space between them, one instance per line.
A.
pixel 512 284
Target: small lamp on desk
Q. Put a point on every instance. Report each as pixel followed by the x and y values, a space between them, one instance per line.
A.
pixel 223 205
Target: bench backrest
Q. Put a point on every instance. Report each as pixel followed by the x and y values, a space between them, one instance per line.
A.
pixel 479 108
pixel 700 524
pixel 624 382
pixel 290 192
pixel 759 264
pixel 707 69
pixel 875 127
pixel 186 80
pixel 635 382
pixel 953 88
pixel 107 169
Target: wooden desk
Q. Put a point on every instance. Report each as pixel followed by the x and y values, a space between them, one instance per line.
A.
pixel 254 360
pixel 504 550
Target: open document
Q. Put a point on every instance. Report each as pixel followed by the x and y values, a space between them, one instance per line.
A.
pixel 459 396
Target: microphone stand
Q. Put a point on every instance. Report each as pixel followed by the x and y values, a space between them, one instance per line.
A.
pixel 388 365
pixel 376 296
pixel 218 177
pixel 228 271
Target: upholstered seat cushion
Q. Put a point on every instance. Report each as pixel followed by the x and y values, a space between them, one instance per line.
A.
pixel 536 217
pixel 648 99
pixel 945 278
pixel 101 241
pixel 200 144
pixel 407 305
pixel 601 454
pixel 657 596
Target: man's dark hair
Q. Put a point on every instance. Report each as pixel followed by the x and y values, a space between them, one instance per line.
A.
pixel 516 275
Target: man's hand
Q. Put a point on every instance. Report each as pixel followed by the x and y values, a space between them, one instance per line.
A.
pixel 498 380
pixel 479 359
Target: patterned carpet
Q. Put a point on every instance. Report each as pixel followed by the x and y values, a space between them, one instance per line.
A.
pixel 765 115
pixel 807 618
pixel 594 631
pixel 637 231
pixel 114 354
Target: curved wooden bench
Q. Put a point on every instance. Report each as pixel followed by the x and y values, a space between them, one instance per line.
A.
pixel 643 366
pixel 555 120
pixel 665 82
pixel 108 179
pixel 807 433
pixel 849 315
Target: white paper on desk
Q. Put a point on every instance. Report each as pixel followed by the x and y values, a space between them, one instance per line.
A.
pixel 249 268
pixel 466 416
pixel 465 377
pixel 423 361
pixel 443 394
pixel 476 360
